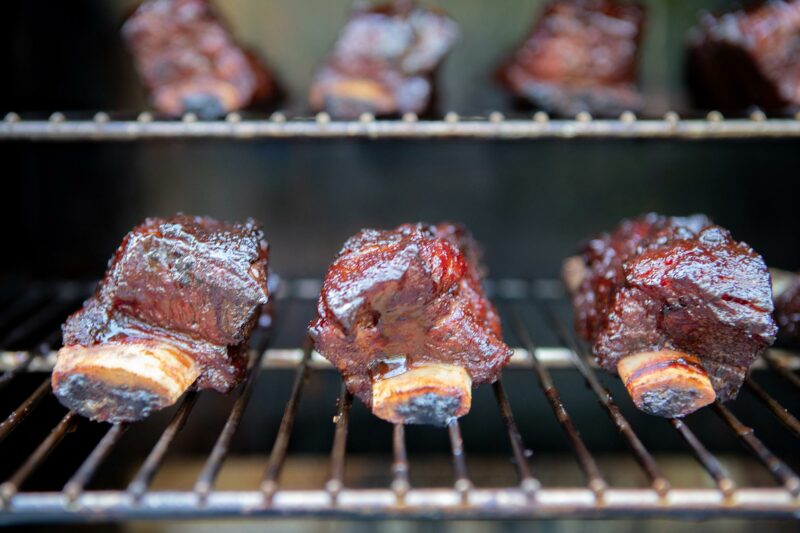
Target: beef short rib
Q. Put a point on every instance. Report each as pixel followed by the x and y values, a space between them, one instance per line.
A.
pixel 176 306
pixel 403 317
pixel 675 306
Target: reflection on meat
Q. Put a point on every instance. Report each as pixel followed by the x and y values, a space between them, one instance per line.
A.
pixel 176 306
pixel 674 305
pixel 787 311
pixel 403 317
pixel 747 57
pixel 189 62
pixel 580 56
pixel 384 61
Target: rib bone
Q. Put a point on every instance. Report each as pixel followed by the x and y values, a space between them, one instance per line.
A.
pixel 118 382
pixel 425 394
pixel 666 383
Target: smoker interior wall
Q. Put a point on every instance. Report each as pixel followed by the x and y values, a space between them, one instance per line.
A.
pixel 67 205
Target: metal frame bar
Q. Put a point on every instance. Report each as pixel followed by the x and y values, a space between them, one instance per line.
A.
pixel 494 126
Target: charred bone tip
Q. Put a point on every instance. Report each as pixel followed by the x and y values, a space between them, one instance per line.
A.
pixel 426 394
pixel 122 382
pixel 666 383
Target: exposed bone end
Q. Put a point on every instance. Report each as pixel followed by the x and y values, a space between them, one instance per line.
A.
pixel 666 383
pixel 351 97
pixel 122 382
pixel 426 394
pixel 573 272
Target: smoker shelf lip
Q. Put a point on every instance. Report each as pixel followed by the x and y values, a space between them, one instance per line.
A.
pixel 495 126
pixel 484 503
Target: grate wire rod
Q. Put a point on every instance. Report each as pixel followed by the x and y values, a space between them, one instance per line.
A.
pixel 25 408
pixel 644 458
pixel 780 470
pixel 43 348
pixel 707 460
pixel 45 448
pixel 148 470
pixel 205 481
pixel 594 477
pixel 527 481
pixel 780 412
pixel 781 369
pixel 51 309
pixel 338 450
pixel 277 457
pixel 462 483
pixel 76 484
pixel 401 482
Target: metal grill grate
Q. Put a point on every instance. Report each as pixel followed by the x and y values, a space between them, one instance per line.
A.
pixel 30 317
pixel 125 127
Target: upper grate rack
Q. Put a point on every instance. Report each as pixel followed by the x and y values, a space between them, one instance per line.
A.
pixel 103 126
pixel 30 316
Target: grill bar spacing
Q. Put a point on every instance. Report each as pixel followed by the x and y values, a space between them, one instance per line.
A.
pixel 145 475
pixel 277 456
pixel 492 126
pixel 30 320
pixel 594 478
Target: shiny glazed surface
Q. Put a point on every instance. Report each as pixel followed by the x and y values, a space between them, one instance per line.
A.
pixel 384 61
pixel 681 284
pixel 393 299
pixel 193 282
pixel 580 56
pixel 190 62
pixel 748 57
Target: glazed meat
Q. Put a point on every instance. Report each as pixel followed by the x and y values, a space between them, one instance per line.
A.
pixel 189 62
pixel 675 306
pixel 580 56
pixel 403 317
pixel 787 309
pixel 384 61
pixel 176 306
pixel 747 57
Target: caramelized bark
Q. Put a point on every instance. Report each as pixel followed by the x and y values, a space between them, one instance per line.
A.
pixel 394 301
pixel 747 57
pixel 679 284
pixel 191 285
pixel 190 62
pixel 384 61
pixel 580 56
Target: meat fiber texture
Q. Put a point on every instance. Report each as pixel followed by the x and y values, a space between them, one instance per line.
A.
pixel 190 62
pixel 747 57
pixel 384 61
pixel 580 56
pixel 408 296
pixel 680 284
pixel 194 282
pixel 787 313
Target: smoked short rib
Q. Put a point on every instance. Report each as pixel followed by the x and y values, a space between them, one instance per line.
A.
pixel 747 57
pixel 189 61
pixel 580 56
pixel 176 307
pixel 675 306
pixel 384 61
pixel 403 317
